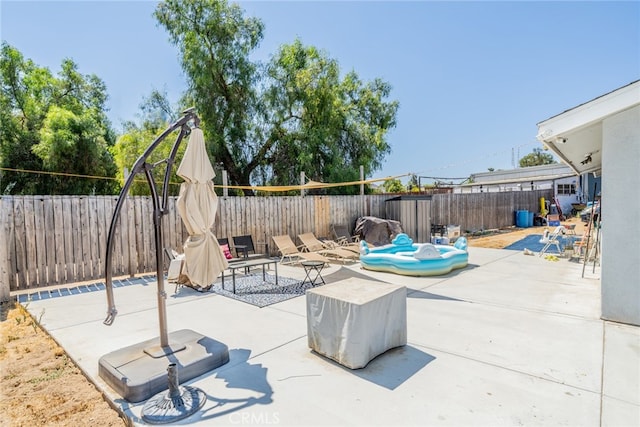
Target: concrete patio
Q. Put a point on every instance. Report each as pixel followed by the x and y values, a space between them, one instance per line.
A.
pixel 510 340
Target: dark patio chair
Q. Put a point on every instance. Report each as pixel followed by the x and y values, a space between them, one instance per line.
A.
pixel 225 241
pixel 245 248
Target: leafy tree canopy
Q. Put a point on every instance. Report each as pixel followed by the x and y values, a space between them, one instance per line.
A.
pixel 54 124
pixel 536 158
pixel 156 115
pixel 393 186
pixel 267 123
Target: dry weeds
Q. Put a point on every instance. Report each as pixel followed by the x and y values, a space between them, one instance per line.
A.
pixel 39 384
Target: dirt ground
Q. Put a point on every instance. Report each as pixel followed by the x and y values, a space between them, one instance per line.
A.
pixel 41 386
pixel 499 239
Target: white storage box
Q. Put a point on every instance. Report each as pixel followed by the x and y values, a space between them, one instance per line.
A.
pixel 354 320
pixel 453 232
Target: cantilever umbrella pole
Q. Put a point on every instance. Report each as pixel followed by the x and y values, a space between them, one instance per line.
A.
pixel 133 371
pixel 157 226
pixel 140 167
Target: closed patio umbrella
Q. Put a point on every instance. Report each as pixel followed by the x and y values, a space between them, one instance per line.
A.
pixel 197 205
pixel 134 371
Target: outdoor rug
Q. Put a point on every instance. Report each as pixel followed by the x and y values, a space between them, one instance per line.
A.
pixel 253 290
pixel 532 242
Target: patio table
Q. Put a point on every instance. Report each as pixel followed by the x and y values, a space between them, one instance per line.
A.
pixel 248 264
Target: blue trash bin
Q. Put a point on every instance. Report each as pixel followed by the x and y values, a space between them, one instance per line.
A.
pixel 522 219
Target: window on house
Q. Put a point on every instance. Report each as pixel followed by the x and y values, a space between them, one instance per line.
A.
pixel 566 189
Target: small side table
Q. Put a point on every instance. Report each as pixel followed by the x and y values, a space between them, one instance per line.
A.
pixel 241 249
pixel 313 270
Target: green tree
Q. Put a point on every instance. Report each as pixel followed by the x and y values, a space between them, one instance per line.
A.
pixel 74 143
pixel 412 184
pixel 320 124
pixel 156 110
pixel 156 114
pixel 266 123
pixel 536 158
pixel 23 90
pixel 52 124
pixel 215 41
pixel 393 186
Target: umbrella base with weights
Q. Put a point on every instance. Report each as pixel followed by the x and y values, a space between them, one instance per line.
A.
pixel 139 371
pixel 174 404
pixel 137 375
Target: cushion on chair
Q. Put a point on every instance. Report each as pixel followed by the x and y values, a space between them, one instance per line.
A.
pixel 226 251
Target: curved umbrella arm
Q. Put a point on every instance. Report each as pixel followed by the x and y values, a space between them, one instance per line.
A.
pixel 141 166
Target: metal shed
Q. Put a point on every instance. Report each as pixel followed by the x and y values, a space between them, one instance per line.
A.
pixel 414 213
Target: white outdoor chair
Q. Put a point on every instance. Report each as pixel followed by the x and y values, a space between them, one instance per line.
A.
pixel 551 239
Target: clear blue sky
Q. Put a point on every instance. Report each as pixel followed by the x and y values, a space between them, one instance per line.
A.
pixel 472 78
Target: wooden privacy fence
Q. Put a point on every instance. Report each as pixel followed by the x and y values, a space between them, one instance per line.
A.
pixel 484 211
pixel 472 212
pixel 49 240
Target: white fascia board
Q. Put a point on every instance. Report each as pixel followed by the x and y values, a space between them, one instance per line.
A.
pixel 595 110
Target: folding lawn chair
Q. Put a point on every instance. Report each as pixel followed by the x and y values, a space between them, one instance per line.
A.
pixel 552 239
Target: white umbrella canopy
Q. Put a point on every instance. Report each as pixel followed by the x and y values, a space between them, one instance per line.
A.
pixel 197 205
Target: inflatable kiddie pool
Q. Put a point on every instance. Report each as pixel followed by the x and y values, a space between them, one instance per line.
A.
pixel 403 256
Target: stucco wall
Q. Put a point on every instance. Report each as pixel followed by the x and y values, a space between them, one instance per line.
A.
pixel 621 217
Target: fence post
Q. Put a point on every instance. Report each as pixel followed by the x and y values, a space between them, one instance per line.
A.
pixel 302 184
pixel 362 212
pixel 225 183
pixel 4 250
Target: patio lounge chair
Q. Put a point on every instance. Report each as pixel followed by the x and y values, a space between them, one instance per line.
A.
pixel 551 239
pixel 312 244
pixel 292 254
pixel 342 236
